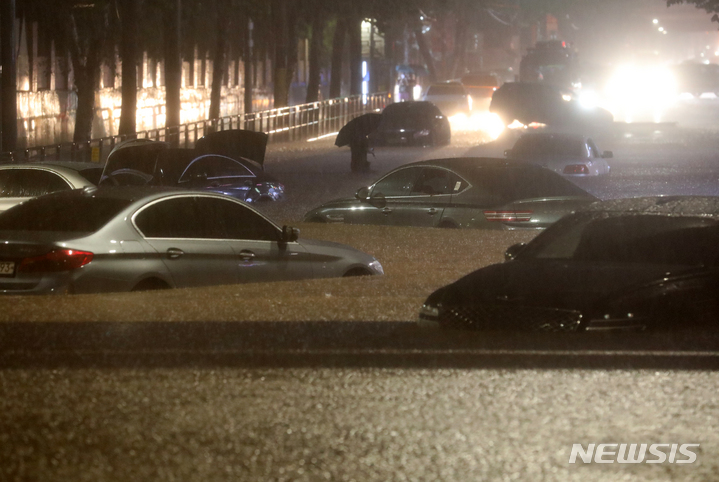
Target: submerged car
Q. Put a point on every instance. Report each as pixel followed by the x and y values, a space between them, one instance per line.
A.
pixel 460 193
pixel 20 182
pixel 141 238
pixel 481 84
pixel 451 98
pixel 414 123
pixel 534 102
pixel 644 263
pixel 571 155
pixel 216 164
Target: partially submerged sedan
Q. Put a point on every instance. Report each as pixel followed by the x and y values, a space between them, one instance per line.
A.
pixel 569 154
pixel 460 193
pixel 130 239
pixel 645 263
pixel 20 182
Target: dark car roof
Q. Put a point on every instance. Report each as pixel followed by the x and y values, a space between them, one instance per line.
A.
pixel 663 205
pixel 470 165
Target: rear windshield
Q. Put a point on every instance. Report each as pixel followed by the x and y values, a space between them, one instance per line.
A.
pixel 630 238
pixel 549 146
pixel 480 81
pixel 79 214
pixel 446 89
pixel 513 184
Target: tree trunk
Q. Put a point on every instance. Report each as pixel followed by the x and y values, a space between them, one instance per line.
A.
pixel 173 68
pixel 219 57
pixel 281 84
pixel 86 66
pixel 9 85
pixel 355 34
pixel 86 77
pixel 128 54
pixel 313 82
pixel 249 65
pixel 426 54
pixel 338 45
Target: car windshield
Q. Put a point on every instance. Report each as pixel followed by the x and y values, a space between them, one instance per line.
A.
pixel 550 146
pixel 446 89
pixel 630 238
pixel 47 213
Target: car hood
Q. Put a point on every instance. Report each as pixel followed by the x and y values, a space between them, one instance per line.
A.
pixel 555 284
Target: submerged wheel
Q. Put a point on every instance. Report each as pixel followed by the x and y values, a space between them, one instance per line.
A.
pixel 151 284
pixel 357 272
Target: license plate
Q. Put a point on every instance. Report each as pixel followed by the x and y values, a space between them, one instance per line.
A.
pixel 7 268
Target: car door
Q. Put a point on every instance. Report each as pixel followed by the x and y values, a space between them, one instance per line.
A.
pixel 188 236
pixel 255 241
pixel 388 197
pixel 426 201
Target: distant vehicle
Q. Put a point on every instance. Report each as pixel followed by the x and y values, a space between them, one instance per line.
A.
pixel 481 85
pixel 460 193
pixel 129 239
pixel 550 62
pixel 451 98
pixel 697 79
pixel 20 182
pixel 529 102
pixel 412 123
pixel 143 162
pixel 572 155
pixel 644 263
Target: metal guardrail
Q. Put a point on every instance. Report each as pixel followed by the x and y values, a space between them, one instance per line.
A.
pixel 294 123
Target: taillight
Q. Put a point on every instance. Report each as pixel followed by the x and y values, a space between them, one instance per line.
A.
pixel 576 169
pixel 508 216
pixel 56 260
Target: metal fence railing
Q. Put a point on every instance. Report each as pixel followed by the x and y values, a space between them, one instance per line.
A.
pixel 294 123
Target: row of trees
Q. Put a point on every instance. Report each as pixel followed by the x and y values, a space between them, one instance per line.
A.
pixel 95 31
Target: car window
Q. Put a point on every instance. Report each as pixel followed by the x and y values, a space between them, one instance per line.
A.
pixel 240 222
pixel 47 214
pixel 398 183
pixel 182 217
pixel 502 185
pixel 435 181
pixel 213 167
pixel 644 239
pixel 30 183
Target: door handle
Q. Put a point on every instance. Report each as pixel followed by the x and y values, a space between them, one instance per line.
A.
pixel 386 210
pixel 247 255
pixel 432 211
pixel 174 253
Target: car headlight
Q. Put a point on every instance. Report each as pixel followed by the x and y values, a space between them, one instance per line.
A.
pixel 376 267
pixel 422 133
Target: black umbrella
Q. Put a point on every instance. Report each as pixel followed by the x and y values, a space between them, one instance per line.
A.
pixel 357 128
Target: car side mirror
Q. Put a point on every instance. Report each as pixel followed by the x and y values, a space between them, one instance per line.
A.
pixel 508 153
pixel 362 193
pixel 513 251
pixel 607 154
pixel 289 234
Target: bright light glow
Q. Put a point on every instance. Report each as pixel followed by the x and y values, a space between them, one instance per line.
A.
pixel 417 92
pixel 661 29
pixel 588 99
pixel 313 139
pixel 655 21
pixel 640 92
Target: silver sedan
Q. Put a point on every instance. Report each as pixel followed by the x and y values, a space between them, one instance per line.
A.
pixel 127 239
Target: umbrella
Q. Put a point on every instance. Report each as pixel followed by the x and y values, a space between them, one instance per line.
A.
pixel 357 128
